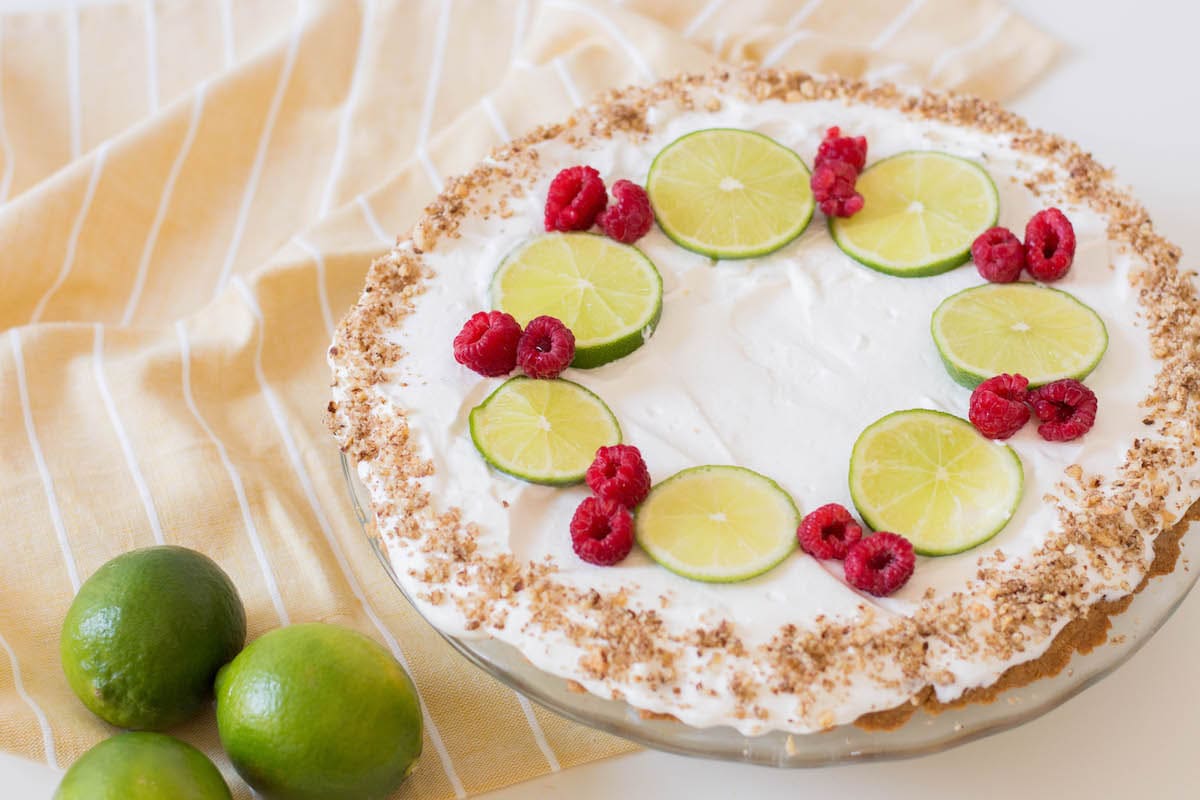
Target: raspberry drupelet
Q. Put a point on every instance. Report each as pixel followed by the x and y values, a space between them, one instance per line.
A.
pixel 601 531
pixel 1049 245
pixel 1066 409
pixel 546 348
pixel 999 406
pixel 488 343
pixel 576 196
pixel 619 473
pixel 835 147
pixel 880 564
pixel 828 532
pixel 629 217
pixel 999 255
pixel 833 188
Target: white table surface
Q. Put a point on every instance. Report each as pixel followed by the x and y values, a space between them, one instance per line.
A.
pixel 1128 90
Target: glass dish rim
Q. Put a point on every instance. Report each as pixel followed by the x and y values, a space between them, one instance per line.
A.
pixel 846 743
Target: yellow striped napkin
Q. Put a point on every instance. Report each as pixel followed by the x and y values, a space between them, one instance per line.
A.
pixel 192 190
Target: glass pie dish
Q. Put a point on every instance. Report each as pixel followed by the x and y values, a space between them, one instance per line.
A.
pixel 923 734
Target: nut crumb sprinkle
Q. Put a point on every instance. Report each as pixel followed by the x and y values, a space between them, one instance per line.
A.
pixel 1109 525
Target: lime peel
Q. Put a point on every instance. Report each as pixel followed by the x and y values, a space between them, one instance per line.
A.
pixel 542 431
pixel 609 294
pixel 718 524
pixel 932 478
pixel 729 193
pixel 1041 333
pixel 923 211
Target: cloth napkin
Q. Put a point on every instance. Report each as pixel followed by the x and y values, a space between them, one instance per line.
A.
pixel 192 191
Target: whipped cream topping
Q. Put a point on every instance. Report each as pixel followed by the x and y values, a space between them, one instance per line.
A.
pixel 776 364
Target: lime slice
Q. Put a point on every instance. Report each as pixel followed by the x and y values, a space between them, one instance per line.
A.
pixel 1042 333
pixel 729 193
pixel 542 431
pixel 609 294
pixel 717 524
pixel 923 210
pixel 932 478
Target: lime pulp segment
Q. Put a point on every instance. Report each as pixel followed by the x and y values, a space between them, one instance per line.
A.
pixel 717 524
pixel 922 212
pixel 730 193
pixel 932 478
pixel 542 431
pixel 1042 333
pixel 609 294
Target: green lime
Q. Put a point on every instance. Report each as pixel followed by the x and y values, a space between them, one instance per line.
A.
pixel 730 193
pixel 542 431
pixel 932 478
pixel 315 711
pixel 717 524
pixel 923 211
pixel 147 633
pixel 142 766
pixel 609 294
pixel 1041 333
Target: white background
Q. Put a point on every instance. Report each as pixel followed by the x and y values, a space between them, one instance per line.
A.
pixel 1128 89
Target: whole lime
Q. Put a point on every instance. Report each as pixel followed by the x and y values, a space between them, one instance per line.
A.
pixel 316 711
pixel 142 766
pixel 146 634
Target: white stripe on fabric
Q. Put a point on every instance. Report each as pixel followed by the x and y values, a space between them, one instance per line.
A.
pixel 151 57
pixel 264 141
pixel 780 50
pixel 43 723
pixel 887 71
pixel 39 461
pixel 323 296
pixel 985 35
pixel 123 439
pixel 520 23
pixel 373 221
pixel 280 418
pixel 6 150
pixel 430 169
pixel 635 56
pixel 493 115
pixel 225 9
pixel 568 82
pixel 76 229
pixel 701 18
pixel 432 85
pixel 139 281
pixel 239 490
pixel 74 101
pixel 895 25
pixel 538 734
pixel 343 137
pixel 804 12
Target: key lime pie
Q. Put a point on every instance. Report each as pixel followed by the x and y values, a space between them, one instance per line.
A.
pixel 778 402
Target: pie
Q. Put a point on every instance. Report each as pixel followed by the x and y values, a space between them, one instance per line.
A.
pixel 775 363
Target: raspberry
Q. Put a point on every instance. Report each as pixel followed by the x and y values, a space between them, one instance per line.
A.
pixel 828 532
pixel 880 564
pixel 487 343
pixel 576 196
pixel 601 532
pixel 546 348
pixel 833 188
pixel 1049 245
pixel 630 217
pixel 999 255
pixel 998 406
pixel 835 147
pixel 1066 408
pixel 619 474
